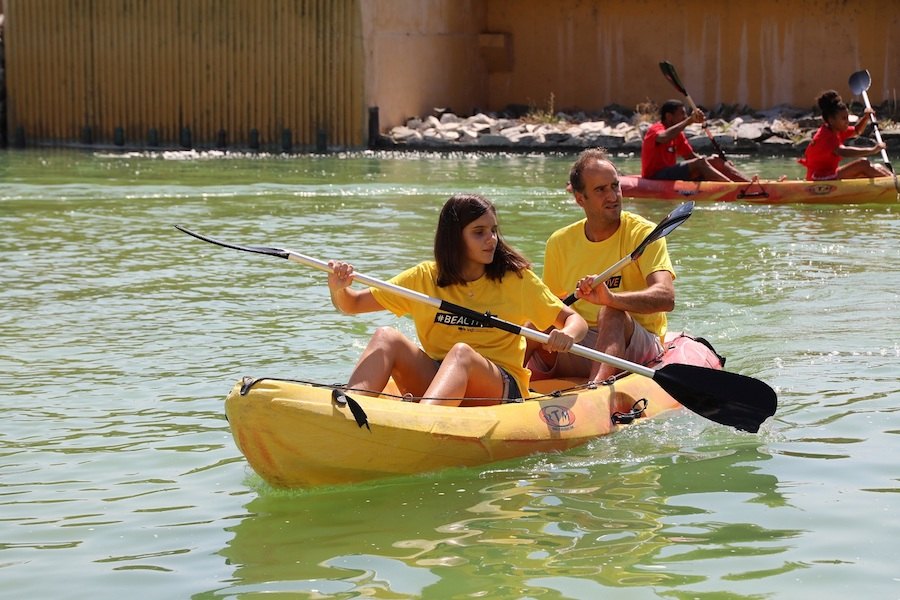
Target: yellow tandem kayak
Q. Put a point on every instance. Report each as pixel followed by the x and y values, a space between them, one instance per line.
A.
pixel 301 434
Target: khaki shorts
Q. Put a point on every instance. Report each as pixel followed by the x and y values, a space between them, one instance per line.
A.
pixel 643 348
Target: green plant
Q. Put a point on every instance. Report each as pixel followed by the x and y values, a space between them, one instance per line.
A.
pixel 543 115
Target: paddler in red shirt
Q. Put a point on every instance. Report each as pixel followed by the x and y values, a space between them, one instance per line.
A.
pixel 665 141
pixel 823 154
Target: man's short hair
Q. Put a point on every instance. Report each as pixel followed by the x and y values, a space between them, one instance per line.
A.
pixel 669 107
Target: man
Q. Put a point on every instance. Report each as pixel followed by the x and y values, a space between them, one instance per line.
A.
pixel 665 141
pixel 626 313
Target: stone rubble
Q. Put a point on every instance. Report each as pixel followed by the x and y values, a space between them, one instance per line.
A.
pixel 782 131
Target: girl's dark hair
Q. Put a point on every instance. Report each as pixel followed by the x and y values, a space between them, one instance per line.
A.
pixel 830 103
pixel 449 252
pixel 576 179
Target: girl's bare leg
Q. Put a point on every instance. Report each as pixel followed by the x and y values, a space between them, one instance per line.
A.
pixel 465 373
pixel 390 353
pixel 861 167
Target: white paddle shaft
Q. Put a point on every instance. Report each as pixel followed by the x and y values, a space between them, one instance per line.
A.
pixel 884 155
pixel 532 334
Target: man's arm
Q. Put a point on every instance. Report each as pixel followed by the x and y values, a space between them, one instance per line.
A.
pixel 672 132
pixel 658 296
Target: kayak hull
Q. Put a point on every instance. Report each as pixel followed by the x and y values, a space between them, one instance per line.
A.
pixel 294 434
pixel 881 190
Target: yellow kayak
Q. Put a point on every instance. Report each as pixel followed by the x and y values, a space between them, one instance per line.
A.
pixel 301 434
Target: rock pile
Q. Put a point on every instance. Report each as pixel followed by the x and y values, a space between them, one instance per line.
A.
pixel 780 131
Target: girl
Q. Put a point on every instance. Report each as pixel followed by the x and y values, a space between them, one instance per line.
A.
pixel 461 362
pixel 824 153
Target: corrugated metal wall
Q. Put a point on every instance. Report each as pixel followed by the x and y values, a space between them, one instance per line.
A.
pixel 283 74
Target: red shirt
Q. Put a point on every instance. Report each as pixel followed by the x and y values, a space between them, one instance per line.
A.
pixel 655 157
pixel 820 158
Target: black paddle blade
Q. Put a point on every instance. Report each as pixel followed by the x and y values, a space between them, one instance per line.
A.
pixel 256 249
pixel 727 398
pixel 675 218
pixel 669 72
pixel 860 82
pixel 665 227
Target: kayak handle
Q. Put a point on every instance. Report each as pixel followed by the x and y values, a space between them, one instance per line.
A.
pixel 748 191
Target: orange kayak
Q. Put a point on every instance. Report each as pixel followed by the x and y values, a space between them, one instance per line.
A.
pixel 881 190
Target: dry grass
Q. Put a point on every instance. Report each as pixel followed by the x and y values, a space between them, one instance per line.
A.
pixel 543 115
pixel 645 112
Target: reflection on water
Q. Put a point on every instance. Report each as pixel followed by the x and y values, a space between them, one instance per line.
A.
pixel 522 529
pixel 122 337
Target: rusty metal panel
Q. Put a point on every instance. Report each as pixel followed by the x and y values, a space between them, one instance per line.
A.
pixel 197 71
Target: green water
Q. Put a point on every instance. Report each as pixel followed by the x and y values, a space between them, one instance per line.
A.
pixel 118 473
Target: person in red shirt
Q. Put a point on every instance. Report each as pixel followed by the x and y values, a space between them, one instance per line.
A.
pixel 665 141
pixel 823 154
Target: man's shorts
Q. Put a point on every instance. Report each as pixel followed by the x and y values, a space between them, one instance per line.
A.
pixel 680 171
pixel 643 348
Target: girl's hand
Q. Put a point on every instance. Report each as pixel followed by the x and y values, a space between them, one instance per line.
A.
pixel 559 341
pixel 868 115
pixel 341 275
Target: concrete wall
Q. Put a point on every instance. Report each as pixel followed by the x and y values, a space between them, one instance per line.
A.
pixel 587 54
pixel 422 54
pixel 590 53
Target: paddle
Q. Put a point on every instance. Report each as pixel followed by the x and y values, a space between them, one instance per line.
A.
pixel 668 70
pixel 727 398
pixel 859 84
pixel 672 220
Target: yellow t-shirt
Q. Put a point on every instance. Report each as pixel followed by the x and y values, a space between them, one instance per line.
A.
pixel 514 299
pixel 569 256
